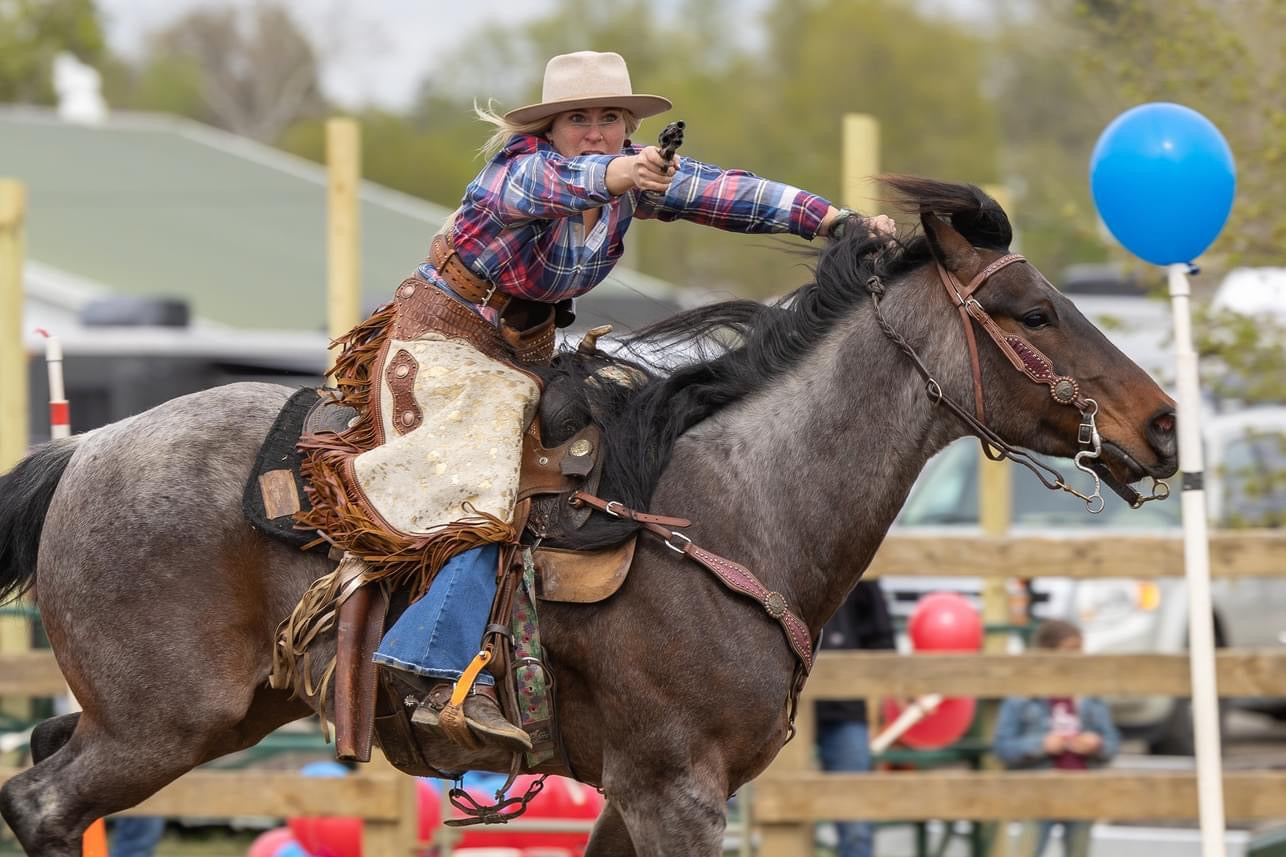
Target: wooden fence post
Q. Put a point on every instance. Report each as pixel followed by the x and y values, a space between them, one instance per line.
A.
pixel 791 838
pixel 343 227
pixel 995 502
pixel 860 163
pixel 15 631
pixel 398 838
pixel 995 507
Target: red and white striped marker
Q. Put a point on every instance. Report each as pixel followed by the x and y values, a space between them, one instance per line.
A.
pixel 59 410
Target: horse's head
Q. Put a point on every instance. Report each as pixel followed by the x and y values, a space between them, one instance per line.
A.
pixel 1043 375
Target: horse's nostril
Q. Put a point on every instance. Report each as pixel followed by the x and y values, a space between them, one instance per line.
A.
pixel 1164 424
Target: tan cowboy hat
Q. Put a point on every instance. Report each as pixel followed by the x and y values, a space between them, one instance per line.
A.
pixel 588 79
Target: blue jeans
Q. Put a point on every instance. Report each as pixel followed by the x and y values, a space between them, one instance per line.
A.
pixel 136 835
pixel 441 633
pixel 1035 836
pixel 844 745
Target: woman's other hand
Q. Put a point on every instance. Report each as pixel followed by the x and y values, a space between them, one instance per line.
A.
pixel 841 221
pixel 881 226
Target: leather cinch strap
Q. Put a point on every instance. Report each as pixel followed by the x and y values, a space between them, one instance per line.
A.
pixel 733 575
pixel 616 510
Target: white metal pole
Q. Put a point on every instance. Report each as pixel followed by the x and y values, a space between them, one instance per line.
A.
pixel 59 410
pixel 1196 555
pixel 914 713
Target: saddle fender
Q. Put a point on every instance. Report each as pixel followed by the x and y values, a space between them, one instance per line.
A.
pixel 582 577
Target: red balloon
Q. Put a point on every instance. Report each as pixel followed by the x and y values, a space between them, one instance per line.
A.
pixel 945 622
pixel 429 801
pixel 947 724
pixel 328 836
pixel 267 844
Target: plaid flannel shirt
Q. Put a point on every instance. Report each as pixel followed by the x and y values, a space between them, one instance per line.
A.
pixel 519 224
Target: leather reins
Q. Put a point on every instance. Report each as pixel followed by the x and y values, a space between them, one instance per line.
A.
pixel 1031 362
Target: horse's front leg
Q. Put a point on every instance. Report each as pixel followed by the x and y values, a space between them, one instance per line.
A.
pixel 610 837
pixel 666 811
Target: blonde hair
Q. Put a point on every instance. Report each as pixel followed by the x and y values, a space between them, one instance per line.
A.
pixel 507 129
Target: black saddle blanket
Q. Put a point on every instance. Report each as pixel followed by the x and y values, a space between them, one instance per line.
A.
pixel 275 489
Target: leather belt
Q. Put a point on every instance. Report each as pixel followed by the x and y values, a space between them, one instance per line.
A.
pixel 463 282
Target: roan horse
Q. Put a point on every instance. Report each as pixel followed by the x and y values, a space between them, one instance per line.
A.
pixel 792 452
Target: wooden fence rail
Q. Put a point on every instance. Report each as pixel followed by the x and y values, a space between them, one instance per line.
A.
pixel 1233 553
pixel 790 796
pixel 386 801
pixel 999 795
pixel 32 673
pixel 846 675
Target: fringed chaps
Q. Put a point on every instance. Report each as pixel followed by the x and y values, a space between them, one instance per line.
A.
pixel 440 421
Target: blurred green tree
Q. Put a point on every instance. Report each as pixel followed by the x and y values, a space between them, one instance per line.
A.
pixel 772 108
pixel 1226 61
pixel 249 71
pixel 1222 59
pixel 32 33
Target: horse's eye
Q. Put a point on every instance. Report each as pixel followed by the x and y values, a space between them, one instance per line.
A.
pixel 1036 319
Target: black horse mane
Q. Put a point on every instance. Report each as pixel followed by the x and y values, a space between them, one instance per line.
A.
pixel 741 346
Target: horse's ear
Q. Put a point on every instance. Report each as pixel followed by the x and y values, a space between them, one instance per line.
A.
pixel 949 247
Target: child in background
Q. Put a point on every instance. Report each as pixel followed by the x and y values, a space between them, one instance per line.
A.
pixel 1061 732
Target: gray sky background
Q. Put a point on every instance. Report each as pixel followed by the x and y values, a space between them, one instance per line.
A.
pixel 378 51
pixel 374 51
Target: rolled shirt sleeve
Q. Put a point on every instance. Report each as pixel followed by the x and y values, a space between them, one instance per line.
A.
pixel 735 200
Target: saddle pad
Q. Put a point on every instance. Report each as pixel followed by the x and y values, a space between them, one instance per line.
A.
pixel 275 490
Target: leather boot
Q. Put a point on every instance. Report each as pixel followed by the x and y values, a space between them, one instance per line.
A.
pixel 481 713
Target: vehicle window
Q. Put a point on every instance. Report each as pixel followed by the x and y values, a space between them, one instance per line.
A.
pixel 1254 481
pixel 947 493
pixel 1037 506
pixel 947 490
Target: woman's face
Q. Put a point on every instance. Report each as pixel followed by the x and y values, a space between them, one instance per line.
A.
pixel 589 131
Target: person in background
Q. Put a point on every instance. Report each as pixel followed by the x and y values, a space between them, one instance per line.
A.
pixel 1062 732
pixel 136 835
pixel 843 737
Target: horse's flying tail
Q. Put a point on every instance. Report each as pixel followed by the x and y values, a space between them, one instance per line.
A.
pixel 25 494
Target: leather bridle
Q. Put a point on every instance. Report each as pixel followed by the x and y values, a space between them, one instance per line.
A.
pixel 1027 359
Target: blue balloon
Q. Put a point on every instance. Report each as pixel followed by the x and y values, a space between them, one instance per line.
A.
pixel 292 849
pixel 1163 179
pixel 324 768
pixel 484 781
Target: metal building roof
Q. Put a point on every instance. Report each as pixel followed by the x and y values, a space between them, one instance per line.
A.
pixel 159 206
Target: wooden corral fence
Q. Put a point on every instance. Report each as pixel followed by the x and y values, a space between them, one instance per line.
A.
pixel 384 798
pixel 386 801
pixel 792 795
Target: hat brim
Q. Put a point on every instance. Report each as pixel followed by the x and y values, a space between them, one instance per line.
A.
pixel 642 106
